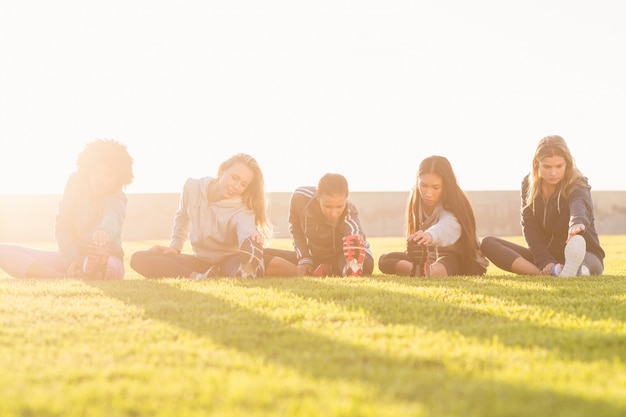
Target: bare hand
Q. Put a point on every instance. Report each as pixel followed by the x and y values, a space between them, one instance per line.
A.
pixel 421 237
pixel 165 249
pixel 574 230
pixel 256 237
pixel 547 270
pixel 100 237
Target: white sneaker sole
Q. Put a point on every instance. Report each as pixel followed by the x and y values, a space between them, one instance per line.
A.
pixel 251 259
pixel 575 251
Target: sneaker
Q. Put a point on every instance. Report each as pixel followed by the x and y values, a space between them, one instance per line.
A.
pixel 251 254
pixel 418 255
pixel 582 271
pixel 575 251
pixel 96 262
pixel 354 251
pixel 556 270
pixel 213 272
pixel 323 270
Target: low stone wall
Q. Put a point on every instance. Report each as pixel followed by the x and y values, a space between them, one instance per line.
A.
pixel 149 216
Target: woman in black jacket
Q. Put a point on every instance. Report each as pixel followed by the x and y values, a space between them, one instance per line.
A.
pixel 327 234
pixel 557 220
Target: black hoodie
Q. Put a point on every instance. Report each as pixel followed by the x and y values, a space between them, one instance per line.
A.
pixel 545 224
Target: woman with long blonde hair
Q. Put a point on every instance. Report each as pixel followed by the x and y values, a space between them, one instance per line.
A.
pixel 557 220
pixel 224 219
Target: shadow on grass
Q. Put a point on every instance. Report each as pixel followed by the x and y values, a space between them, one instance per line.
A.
pixel 411 380
pixel 390 307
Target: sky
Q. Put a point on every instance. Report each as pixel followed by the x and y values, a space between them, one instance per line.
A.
pixel 364 88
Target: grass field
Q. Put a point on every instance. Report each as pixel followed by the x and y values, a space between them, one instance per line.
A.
pixel 499 345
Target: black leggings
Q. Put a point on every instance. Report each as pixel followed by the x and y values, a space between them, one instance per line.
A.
pixel 388 261
pixel 156 264
pixel 502 253
pixel 338 263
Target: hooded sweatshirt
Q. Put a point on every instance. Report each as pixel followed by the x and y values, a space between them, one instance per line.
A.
pixel 215 230
pixel 545 224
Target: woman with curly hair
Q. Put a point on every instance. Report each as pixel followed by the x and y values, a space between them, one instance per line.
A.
pixel 88 223
pixel 557 220
pixel 225 221
pixel 440 225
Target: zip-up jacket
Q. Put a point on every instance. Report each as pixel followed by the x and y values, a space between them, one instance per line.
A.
pixel 545 224
pixel 314 236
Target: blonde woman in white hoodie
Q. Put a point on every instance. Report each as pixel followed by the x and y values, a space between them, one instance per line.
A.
pixel 224 219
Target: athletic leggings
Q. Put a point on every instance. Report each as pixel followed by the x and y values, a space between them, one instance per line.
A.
pixel 15 261
pixel 338 263
pixel 388 261
pixel 156 264
pixel 502 253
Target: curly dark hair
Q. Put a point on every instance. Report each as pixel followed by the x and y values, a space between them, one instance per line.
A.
pixel 107 152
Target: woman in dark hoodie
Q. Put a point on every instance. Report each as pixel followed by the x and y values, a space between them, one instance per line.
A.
pixel 557 220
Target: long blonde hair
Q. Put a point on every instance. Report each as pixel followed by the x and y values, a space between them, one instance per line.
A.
pixel 548 146
pixel 254 195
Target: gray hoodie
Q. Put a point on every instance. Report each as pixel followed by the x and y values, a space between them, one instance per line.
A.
pixel 215 230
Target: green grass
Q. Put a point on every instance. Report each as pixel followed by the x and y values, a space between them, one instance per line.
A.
pixel 499 345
